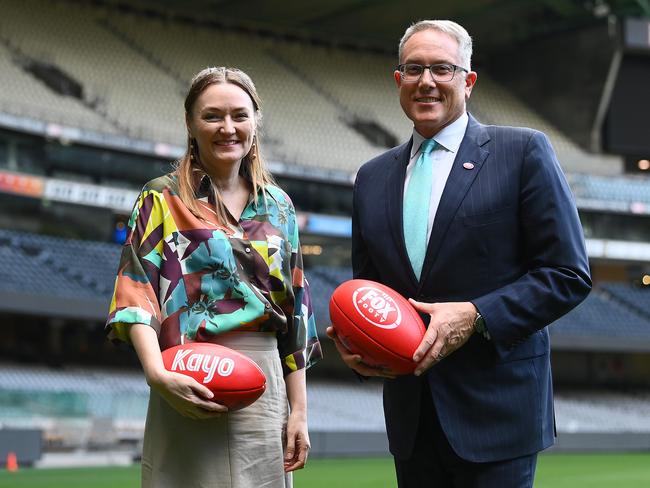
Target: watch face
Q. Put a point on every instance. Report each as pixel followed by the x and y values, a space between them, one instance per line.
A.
pixel 479 326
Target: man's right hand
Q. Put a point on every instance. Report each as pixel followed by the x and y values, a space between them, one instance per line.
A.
pixel 355 361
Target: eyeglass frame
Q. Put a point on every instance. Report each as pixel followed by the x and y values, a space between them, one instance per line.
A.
pixel 424 66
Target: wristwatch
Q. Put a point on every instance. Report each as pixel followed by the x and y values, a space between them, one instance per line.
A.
pixel 479 326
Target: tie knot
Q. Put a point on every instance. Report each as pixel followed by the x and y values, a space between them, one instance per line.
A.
pixel 428 145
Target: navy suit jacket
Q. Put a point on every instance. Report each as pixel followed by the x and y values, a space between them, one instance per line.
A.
pixel 506 237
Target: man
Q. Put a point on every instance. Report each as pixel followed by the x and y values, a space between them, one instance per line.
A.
pixel 480 228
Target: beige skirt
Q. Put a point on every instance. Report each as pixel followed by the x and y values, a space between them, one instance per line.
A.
pixel 242 449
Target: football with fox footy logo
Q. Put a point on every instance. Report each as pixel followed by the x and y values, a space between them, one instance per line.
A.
pixel 236 380
pixel 377 323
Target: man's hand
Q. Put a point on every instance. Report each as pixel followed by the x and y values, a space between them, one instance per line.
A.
pixel 355 361
pixel 452 324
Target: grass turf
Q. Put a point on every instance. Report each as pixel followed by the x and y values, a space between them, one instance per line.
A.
pixel 553 471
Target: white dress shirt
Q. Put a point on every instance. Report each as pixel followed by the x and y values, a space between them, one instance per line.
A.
pixel 442 157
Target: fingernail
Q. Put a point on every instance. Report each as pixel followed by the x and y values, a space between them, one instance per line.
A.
pixel 417 372
pixel 416 358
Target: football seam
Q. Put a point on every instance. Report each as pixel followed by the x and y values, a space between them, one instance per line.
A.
pixel 370 338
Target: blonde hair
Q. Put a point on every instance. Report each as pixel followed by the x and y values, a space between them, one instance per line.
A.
pixel 189 168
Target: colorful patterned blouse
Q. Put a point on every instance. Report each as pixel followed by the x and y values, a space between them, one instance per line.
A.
pixel 190 279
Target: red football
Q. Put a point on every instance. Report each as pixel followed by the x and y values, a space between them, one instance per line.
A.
pixel 378 323
pixel 236 380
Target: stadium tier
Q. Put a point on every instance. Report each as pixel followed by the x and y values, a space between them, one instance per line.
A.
pixel 72 405
pixel 37 264
pixel 633 192
pixel 33 264
pixel 92 92
pixel 24 95
pixel 637 299
pixel 107 71
pixel 605 318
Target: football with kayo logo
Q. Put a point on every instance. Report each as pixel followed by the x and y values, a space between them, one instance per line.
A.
pixel 236 380
pixel 378 323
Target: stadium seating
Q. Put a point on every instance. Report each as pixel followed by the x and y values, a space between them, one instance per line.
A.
pixel 300 125
pixel 67 403
pixel 323 281
pixel 600 317
pixel 602 411
pixel 134 71
pixel 37 264
pixel 634 298
pixel 495 105
pixel 127 91
pixel 627 190
pixel 26 96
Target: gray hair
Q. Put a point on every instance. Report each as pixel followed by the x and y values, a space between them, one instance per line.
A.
pixel 456 31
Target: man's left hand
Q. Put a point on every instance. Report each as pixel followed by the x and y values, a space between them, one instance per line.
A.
pixel 451 325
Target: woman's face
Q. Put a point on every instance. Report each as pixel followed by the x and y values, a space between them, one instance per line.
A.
pixel 223 123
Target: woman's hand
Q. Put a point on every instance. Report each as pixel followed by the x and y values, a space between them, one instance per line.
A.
pixel 186 395
pixel 298 446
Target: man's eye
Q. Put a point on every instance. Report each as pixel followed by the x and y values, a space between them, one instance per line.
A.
pixel 413 69
pixel 442 69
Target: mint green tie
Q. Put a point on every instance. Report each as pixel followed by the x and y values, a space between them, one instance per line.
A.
pixel 416 207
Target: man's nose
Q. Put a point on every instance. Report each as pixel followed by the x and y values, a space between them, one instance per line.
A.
pixel 427 79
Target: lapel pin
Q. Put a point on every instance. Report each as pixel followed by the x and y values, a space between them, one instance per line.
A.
pixel 468 165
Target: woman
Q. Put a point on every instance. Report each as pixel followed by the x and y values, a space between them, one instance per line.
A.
pixel 213 256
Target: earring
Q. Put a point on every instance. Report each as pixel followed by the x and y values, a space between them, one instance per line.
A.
pixel 192 150
pixel 253 152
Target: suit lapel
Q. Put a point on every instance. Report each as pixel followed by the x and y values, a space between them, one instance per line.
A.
pixel 459 181
pixel 395 202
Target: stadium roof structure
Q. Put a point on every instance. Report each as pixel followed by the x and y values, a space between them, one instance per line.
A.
pixel 378 24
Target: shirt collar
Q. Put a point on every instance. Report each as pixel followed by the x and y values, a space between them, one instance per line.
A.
pixel 449 137
pixel 204 190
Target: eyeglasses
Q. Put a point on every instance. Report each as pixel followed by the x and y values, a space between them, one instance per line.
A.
pixel 441 73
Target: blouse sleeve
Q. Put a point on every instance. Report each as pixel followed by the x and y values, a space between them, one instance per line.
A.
pixel 135 297
pixel 299 346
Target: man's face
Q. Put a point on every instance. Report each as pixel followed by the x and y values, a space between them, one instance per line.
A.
pixel 433 105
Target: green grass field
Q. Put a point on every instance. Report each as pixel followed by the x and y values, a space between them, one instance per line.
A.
pixel 554 471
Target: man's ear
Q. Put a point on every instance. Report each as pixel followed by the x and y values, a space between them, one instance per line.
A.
pixel 470 81
pixel 398 78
